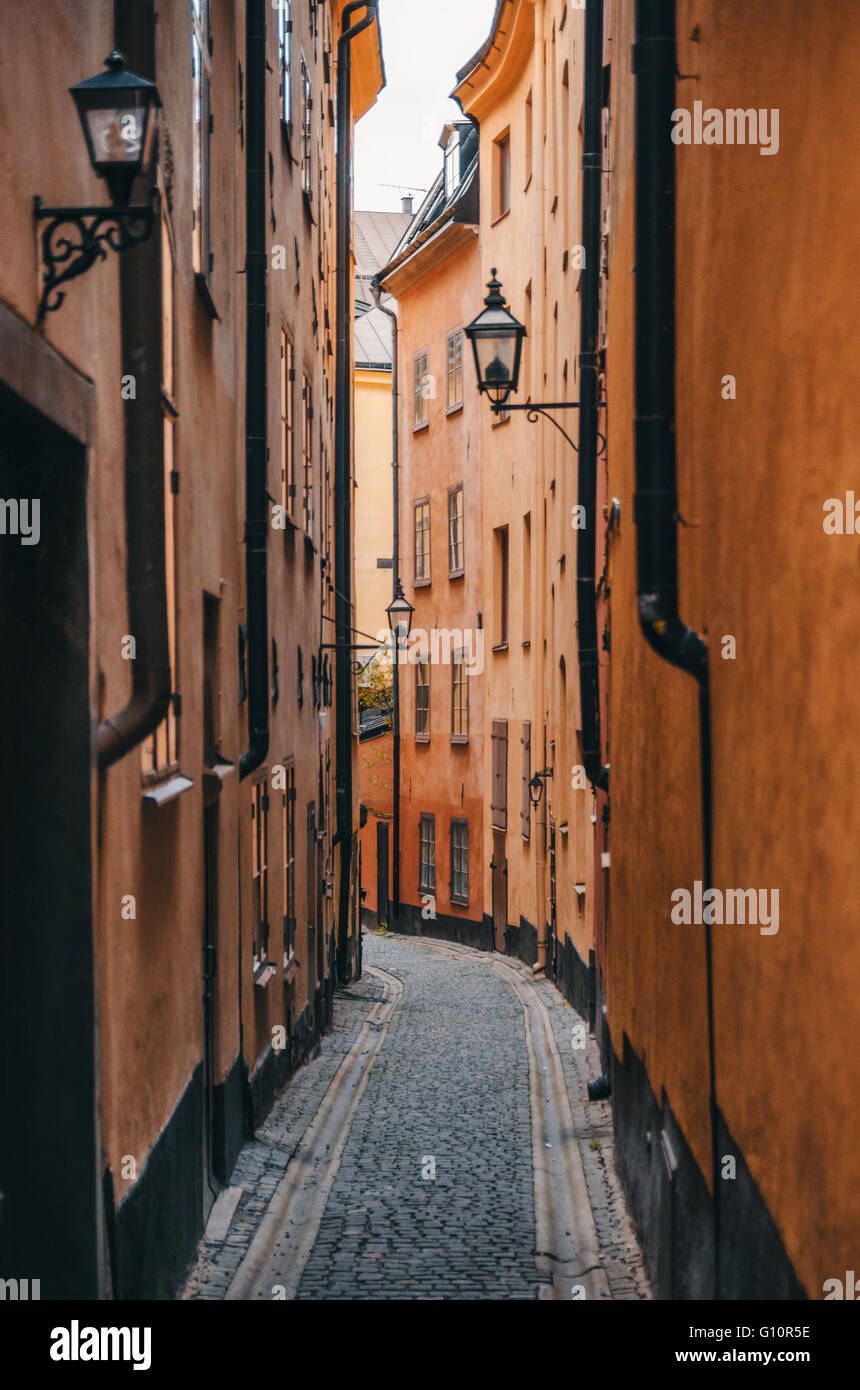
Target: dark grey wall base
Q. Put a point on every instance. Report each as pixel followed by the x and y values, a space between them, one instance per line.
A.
pixel 753 1261
pixel 521 942
pixel 671 1204
pixel 152 1236
pixel 461 930
pixel 575 979
pixel 228 1120
pixel 276 1068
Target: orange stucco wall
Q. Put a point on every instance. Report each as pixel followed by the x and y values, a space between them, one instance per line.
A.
pixel 528 468
pixel 767 292
pixel 440 777
pixel 149 964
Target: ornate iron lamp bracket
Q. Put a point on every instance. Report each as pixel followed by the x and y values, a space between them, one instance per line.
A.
pixel 535 409
pixel 73 239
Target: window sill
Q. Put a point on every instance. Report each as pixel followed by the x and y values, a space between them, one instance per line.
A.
pixel 309 211
pixel 422 425
pixel 424 888
pixel 422 738
pixel 263 974
pixel 214 776
pixel 291 968
pixel 160 774
pixel 460 739
pixel 454 409
pixel 421 583
pixel 500 217
pixel 528 183
pixel 526 643
pixel 201 284
pixel 159 793
pixel 499 420
pixel 500 647
pixel 456 574
pixel 458 902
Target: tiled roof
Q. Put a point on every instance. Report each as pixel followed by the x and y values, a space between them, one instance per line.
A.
pixel 375 235
pixel 437 204
pixel 372 337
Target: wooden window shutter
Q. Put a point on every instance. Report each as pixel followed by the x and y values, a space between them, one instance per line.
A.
pixel 526 807
pixel 500 774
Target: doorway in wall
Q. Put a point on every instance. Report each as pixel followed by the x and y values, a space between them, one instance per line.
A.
pixel 49 1164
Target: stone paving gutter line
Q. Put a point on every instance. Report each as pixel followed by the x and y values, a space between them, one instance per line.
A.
pixel 567 1249
pixel 282 1245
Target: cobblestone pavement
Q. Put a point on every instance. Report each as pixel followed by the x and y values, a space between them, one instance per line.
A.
pixel 263 1161
pixel 448 1094
pixel 451 1086
pixel 592 1123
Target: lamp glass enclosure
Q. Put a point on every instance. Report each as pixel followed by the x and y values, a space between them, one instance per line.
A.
pixel 497 342
pixel 117 114
pixel 400 613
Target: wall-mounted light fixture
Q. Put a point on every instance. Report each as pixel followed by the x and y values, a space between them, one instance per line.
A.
pixel 497 343
pixel 536 786
pixel 400 612
pixel 117 110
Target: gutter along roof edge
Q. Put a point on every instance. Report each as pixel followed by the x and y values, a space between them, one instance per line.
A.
pixel 498 65
pixel 486 47
pixel 447 217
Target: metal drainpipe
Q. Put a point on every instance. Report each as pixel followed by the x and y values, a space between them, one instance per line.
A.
pixel 538 375
pixel 256 516
pixel 586 593
pixel 395 465
pixel 343 469
pixel 140 279
pixel 656 505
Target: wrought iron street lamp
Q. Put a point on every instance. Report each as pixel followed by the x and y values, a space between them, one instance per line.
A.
pixel 117 110
pixel 536 786
pixel 497 343
pixel 400 611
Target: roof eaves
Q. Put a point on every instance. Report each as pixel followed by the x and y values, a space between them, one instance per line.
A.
pixel 478 58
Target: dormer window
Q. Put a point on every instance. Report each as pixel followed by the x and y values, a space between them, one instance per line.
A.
pixel 452 164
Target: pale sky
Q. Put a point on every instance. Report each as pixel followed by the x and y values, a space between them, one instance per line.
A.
pixel 424 45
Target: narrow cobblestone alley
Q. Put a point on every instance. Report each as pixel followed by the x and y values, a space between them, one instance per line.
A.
pixel 434 1196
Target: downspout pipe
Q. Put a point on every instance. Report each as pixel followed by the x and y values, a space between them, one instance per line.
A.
pixel 540 369
pixel 140 309
pixel 395 579
pixel 589 367
pixel 256 516
pixel 343 465
pixel 656 503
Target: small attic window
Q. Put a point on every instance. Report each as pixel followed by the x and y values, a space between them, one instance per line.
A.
pixel 452 164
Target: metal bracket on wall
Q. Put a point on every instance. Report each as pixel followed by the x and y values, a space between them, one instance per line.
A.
pixel 75 238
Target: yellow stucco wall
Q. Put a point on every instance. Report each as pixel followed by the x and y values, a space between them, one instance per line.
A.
pixel 374 515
